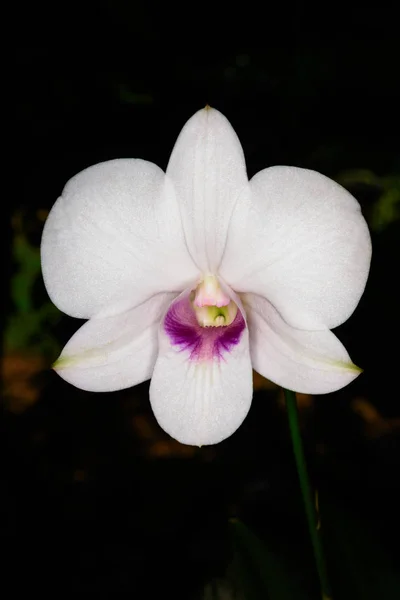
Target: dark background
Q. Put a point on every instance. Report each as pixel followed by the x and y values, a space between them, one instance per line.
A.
pixel 97 498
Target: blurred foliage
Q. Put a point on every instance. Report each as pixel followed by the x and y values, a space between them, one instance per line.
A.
pixel 28 326
pixel 127 96
pixel 360 568
pixel 258 572
pixel 385 209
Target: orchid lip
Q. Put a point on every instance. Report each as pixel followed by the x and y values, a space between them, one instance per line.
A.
pixel 204 342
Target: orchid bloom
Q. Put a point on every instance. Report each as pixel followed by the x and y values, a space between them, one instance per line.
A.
pixel 196 276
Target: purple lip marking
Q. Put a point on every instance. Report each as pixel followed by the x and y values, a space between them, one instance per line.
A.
pixel 203 343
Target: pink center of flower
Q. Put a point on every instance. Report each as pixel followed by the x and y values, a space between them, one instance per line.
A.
pixel 210 293
pixel 209 342
pixel 206 322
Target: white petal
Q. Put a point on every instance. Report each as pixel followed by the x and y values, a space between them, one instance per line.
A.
pixel 115 230
pixel 208 170
pixel 309 362
pixel 114 353
pixel 300 240
pixel 201 397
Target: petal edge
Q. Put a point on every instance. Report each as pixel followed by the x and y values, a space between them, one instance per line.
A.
pixel 308 362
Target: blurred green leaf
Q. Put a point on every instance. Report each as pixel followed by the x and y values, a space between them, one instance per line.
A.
pixel 258 571
pixel 27 324
pixel 386 208
pixel 221 589
pixel 128 97
pixel 27 259
pixel 356 177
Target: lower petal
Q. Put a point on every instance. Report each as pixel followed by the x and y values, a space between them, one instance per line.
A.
pixel 115 352
pixel 201 388
pixel 309 362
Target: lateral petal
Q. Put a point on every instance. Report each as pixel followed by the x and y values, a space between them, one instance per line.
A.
pixel 309 362
pixel 115 352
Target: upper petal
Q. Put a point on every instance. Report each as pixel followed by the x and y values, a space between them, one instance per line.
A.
pixel 115 352
pixel 116 229
pixel 309 362
pixel 201 388
pixel 299 239
pixel 208 170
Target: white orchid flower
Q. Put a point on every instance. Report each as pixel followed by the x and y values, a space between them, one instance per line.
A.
pixel 195 276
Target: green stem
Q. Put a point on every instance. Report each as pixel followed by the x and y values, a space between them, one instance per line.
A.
pixel 309 503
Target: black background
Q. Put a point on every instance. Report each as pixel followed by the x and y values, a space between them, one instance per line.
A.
pixel 301 87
